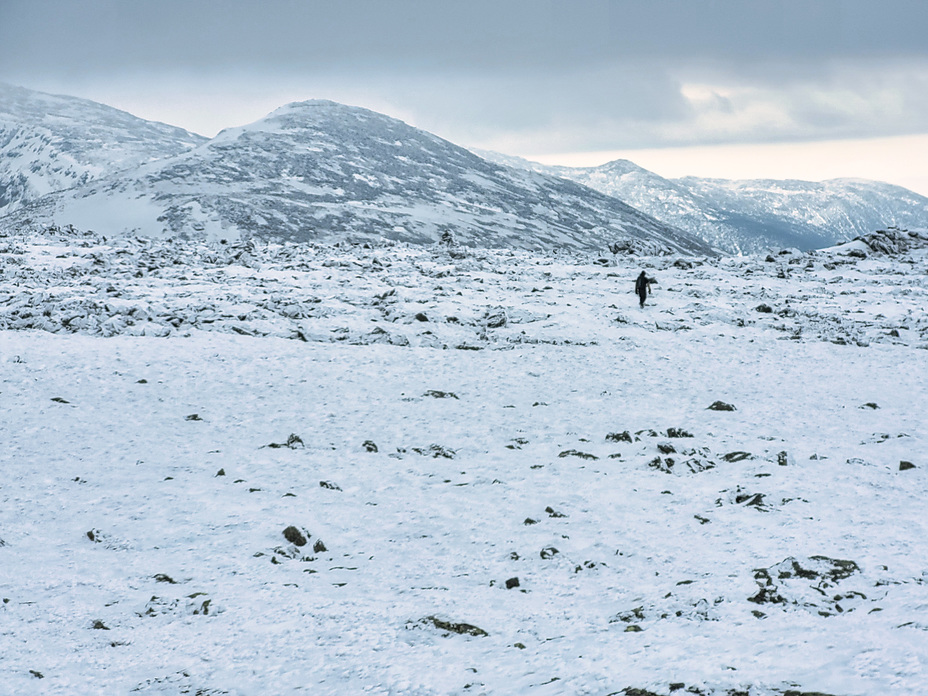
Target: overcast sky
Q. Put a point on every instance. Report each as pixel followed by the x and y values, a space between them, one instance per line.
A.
pixel 562 81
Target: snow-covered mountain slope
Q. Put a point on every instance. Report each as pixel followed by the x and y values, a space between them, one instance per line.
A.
pixel 272 478
pixel 319 170
pixel 49 143
pixel 751 216
pixel 807 214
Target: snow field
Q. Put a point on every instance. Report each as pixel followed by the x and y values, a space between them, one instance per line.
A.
pixel 780 547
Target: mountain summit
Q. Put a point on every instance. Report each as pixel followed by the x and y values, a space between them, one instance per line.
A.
pixel 49 143
pixel 318 170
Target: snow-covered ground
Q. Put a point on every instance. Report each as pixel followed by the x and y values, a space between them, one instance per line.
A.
pixel 430 425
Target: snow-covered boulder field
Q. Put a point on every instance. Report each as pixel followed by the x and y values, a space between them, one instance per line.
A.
pixel 385 469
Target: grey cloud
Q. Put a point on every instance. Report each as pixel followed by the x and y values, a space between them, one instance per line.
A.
pixel 541 75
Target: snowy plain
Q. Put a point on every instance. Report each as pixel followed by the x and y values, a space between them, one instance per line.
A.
pixel 430 424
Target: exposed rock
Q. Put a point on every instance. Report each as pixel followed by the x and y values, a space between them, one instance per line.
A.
pixel 548 552
pixel 436 394
pixel 577 453
pixel 369 446
pixel 721 406
pixel 905 466
pixel 435 451
pixel 678 432
pixel 294 536
pixel 496 318
pixel 808 583
pixel 624 436
pixel 512 583
pixel 454 627
pixel 293 442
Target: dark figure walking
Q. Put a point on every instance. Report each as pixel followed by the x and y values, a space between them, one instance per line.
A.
pixel 643 286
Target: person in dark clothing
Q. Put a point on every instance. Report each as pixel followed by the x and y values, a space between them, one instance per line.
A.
pixel 643 286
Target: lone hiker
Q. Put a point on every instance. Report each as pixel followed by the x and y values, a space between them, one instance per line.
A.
pixel 642 286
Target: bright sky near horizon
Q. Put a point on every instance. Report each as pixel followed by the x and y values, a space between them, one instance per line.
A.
pixel 806 89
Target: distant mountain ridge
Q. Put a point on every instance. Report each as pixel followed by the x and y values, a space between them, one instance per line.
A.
pixel 753 215
pixel 323 171
pixel 49 143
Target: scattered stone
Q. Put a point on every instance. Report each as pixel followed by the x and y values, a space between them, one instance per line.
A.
pixel 755 499
pixel 161 577
pixel 511 583
pixel 100 626
pixel 554 513
pixel 94 535
pixel 37 675
pixel 549 552
pixel 577 453
pixel 520 646
pixel 529 521
pixel 763 309
pixel 783 458
pixel 678 432
pixel 738 456
pixel 721 406
pixel 870 405
pixel 221 472
pixel 666 464
pixel 420 316
pixel 59 400
pixel 369 446
pixel 619 437
pixel 452 627
pixel 293 442
pixel 435 394
pixel 193 417
pixel 294 536
pixel 435 451
pixel 905 466
pixel 702 520
pixel 807 583
pixel 329 485
pixel 666 448
pixel 319 547
pixel 496 319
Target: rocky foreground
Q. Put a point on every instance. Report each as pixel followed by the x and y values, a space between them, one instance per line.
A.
pixel 444 296
pixel 385 469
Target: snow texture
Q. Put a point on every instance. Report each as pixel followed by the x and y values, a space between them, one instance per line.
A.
pixel 420 469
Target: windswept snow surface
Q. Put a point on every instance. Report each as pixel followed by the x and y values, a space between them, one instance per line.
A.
pixel 434 424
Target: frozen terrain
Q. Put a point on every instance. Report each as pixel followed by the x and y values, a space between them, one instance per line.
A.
pixel 392 469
